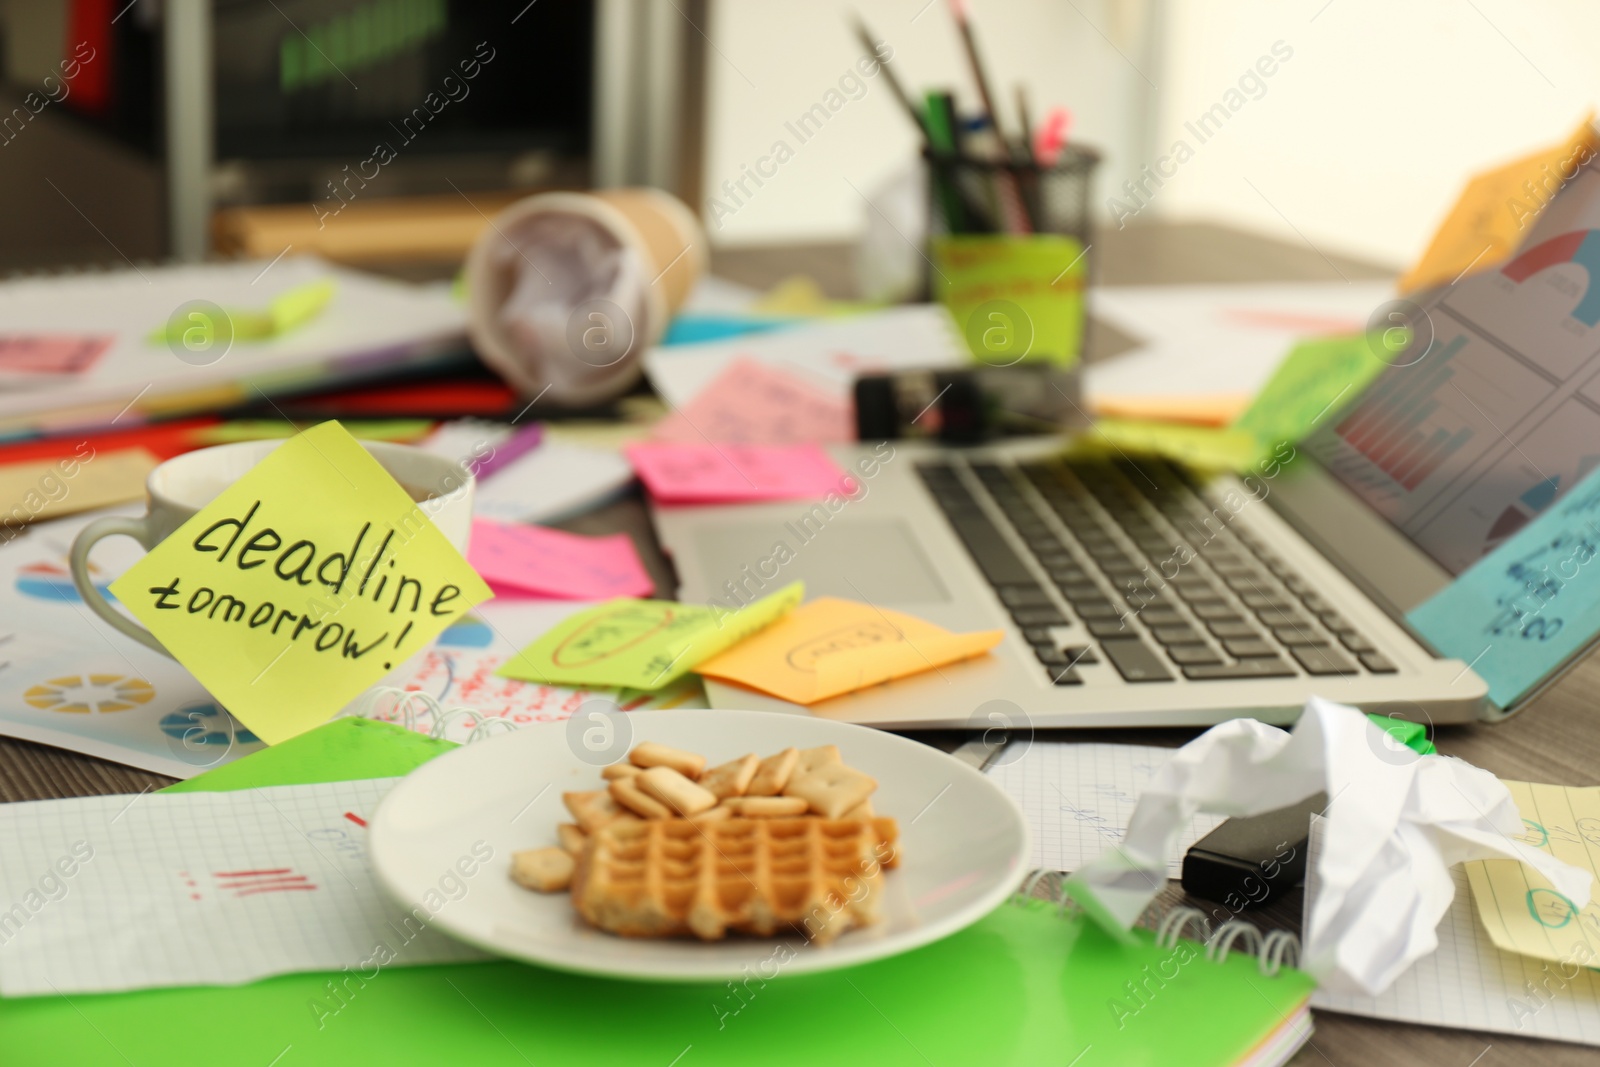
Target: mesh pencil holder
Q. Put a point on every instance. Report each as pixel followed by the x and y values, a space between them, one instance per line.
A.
pixel 970 194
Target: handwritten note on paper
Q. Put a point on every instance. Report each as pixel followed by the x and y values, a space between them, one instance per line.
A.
pixel 1526 606
pixel 1496 210
pixel 1520 909
pixel 51 353
pixel 753 403
pixel 300 585
pixel 643 644
pixel 729 474
pixel 553 563
pixel 832 646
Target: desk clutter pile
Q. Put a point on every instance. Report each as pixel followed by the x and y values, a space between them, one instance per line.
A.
pixel 450 780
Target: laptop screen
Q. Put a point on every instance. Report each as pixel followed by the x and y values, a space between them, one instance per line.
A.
pixel 1492 413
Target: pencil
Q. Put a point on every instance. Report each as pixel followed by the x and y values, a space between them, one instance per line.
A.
pixel 1008 196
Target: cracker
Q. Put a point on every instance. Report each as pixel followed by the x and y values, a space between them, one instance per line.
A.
pixel 626 791
pixel 772 807
pixel 612 771
pixel 591 810
pixel 773 774
pixel 716 814
pixel 862 810
pixel 675 791
pixel 731 779
pixel 572 837
pixel 812 758
pixel 545 870
pixel 832 789
pixel 650 754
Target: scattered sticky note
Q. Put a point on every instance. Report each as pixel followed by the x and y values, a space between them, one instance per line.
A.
pixel 1316 380
pixel 642 644
pixel 1202 447
pixel 726 474
pixel 1497 210
pixel 553 563
pixel 751 402
pixel 301 584
pixel 51 353
pixel 1014 298
pixel 832 646
pixel 289 310
pixel 1521 910
pixel 1521 610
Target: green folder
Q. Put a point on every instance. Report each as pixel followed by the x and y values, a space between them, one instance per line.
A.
pixel 1025 985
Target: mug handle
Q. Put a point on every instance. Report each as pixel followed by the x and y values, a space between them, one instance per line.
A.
pixel 139 530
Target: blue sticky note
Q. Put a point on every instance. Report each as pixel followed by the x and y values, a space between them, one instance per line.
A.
pixel 1525 607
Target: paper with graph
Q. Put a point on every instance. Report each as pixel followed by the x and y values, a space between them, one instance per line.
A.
pixel 130 892
pixel 1520 909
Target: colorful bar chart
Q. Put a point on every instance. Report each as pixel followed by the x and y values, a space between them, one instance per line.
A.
pixel 1392 427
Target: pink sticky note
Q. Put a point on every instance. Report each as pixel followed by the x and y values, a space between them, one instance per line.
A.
pixel 753 403
pixel 552 563
pixel 729 473
pixel 50 353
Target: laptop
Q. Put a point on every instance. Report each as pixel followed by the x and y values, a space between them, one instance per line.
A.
pixel 1135 592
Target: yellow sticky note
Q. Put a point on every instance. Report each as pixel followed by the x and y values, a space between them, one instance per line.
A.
pixel 301 584
pixel 1520 909
pixel 1204 447
pixel 832 646
pixel 642 644
pixel 1497 209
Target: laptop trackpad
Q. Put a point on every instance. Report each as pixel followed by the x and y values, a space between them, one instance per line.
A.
pixel 872 560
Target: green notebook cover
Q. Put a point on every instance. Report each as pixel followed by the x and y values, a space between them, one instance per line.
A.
pixel 1023 986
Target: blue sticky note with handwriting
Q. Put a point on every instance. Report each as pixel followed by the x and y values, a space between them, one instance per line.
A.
pixel 1525 607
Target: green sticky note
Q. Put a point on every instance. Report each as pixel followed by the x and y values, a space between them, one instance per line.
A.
pixel 287 311
pixel 269 429
pixel 1015 299
pixel 1317 379
pixel 642 644
pixel 1202 447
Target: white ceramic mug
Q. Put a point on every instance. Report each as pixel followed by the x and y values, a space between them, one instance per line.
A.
pixel 183 485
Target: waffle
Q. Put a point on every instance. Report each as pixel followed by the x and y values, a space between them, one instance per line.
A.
pixel 666 877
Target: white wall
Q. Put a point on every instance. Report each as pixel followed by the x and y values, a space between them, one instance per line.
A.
pixel 1363 139
pixel 1358 144
pixel 771 60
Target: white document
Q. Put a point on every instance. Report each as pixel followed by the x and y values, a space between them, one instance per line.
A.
pixel 1207 340
pixel 829 353
pixel 553 481
pixel 1078 798
pixel 1397 823
pixel 1469 983
pixel 134 892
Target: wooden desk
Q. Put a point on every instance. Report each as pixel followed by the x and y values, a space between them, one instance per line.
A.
pixel 1555 740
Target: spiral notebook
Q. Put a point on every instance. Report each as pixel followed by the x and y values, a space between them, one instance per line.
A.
pixel 1028 984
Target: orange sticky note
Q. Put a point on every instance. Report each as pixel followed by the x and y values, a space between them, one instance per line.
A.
pixel 1497 209
pixel 832 646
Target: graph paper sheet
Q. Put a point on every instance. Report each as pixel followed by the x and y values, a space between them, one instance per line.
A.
pixel 127 892
pixel 1078 798
pixel 1469 983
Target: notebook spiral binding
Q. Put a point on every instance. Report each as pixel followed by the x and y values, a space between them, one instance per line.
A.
pixel 1273 950
pixel 387 703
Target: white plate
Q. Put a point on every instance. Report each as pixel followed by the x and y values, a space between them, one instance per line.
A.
pixel 963 843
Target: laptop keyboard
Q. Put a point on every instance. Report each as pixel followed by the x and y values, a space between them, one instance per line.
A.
pixel 1142 571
